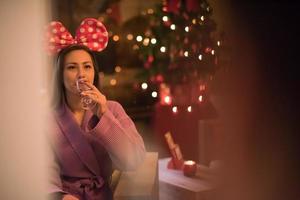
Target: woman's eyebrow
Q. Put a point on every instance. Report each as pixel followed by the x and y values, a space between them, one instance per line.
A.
pixel 71 63
pixel 75 63
pixel 87 62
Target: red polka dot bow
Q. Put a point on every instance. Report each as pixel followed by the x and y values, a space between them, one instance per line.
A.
pixel 91 33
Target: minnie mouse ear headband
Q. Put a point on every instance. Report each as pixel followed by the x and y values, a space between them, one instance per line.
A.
pixel 91 33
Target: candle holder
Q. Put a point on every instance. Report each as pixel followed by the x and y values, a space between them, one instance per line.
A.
pixel 189 168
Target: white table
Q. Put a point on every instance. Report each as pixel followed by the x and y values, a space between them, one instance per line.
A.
pixel 174 185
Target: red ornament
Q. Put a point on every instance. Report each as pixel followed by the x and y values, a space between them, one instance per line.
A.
pixel 208 50
pixel 159 78
pixel 150 59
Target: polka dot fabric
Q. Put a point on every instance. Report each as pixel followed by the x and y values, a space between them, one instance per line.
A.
pixel 91 33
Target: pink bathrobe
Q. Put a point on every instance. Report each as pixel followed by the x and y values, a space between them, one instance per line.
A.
pixel 84 155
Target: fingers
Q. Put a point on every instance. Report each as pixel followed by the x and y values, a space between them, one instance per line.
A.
pixel 91 92
pixel 86 82
pixel 94 95
pixel 90 85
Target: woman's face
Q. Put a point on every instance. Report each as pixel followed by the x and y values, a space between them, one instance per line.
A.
pixel 77 64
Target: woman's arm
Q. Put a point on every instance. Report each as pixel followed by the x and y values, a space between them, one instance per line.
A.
pixel 118 134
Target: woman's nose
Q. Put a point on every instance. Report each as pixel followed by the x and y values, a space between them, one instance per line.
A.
pixel 81 73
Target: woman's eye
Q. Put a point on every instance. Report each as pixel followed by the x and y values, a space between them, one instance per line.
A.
pixel 88 66
pixel 71 67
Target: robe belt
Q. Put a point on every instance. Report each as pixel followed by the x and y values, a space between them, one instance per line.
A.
pixel 91 183
pixel 88 183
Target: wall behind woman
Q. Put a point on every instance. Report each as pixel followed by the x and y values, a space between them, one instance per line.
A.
pixel 23 101
pixel 258 100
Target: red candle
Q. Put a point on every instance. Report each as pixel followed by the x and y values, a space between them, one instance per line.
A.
pixel 189 168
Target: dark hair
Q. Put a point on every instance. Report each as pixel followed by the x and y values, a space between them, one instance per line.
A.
pixel 58 89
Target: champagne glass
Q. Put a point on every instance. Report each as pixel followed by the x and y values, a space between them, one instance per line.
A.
pixel 86 102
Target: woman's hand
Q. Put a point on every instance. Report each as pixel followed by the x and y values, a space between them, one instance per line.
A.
pixel 96 96
pixel 69 197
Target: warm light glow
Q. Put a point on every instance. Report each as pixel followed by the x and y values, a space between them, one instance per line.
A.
pixel 165 18
pixel 129 36
pixel 146 41
pixel 154 94
pixel 200 98
pixel 174 109
pixel 200 57
pixel 186 53
pixel 150 11
pixel 101 19
pixel 144 86
pixel 187 29
pixel 202 87
pixel 212 52
pixel 189 108
pixel 118 69
pixel 167 99
pixel 153 41
pixel 135 47
pixel 173 26
pixel 139 38
pixel 109 10
pixel 101 74
pixel 194 21
pixel 116 38
pixel 163 85
pixel 207 9
pixel 189 162
pixel 202 18
pixel 163 49
pixel 147 33
pixel 218 43
pixel 113 82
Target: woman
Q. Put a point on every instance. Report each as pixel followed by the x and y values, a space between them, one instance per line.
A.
pixel 86 143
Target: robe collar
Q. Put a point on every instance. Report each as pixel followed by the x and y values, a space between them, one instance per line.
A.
pixel 75 135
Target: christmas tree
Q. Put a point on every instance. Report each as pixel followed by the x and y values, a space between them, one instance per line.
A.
pixel 169 53
pixel 176 44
